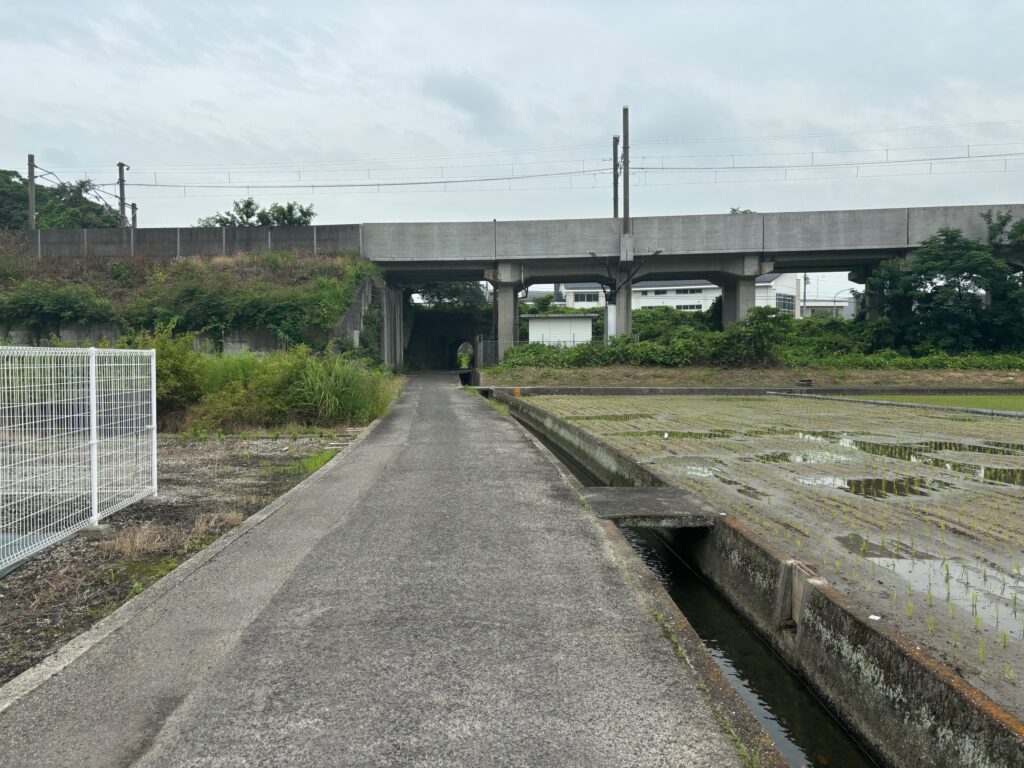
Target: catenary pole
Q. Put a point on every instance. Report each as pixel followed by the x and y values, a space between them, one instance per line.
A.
pixel 31 192
pixel 121 168
pixel 615 177
pixel 625 170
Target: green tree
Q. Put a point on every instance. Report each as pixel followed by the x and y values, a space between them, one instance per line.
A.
pixel 952 273
pixel 452 293
pixel 957 294
pixel 543 303
pixel 246 213
pixel 65 206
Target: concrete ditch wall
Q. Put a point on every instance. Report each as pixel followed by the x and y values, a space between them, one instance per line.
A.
pixel 906 706
pixel 601 460
pixel 909 708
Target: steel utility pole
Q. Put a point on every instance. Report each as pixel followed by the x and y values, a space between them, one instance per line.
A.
pixel 625 170
pixel 31 192
pixel 121 168
pixel 615 177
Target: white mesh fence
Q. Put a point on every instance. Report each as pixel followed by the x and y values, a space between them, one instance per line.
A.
pixel 77 441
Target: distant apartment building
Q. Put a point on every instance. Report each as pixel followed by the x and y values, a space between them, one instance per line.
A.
pixel 821 293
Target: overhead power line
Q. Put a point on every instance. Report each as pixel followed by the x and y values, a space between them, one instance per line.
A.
pixel 726 164
pixel 238 186
pixel 826 134
pixel 541 150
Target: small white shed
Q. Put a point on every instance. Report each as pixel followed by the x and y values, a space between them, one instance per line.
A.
pixel 560 330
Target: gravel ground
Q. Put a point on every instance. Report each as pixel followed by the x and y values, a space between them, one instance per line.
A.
pixel 206 488
pixel 914 514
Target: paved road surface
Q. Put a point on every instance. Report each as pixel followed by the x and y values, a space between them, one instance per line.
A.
pixel 437 597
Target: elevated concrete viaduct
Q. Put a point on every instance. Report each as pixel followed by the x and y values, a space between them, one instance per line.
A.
pixel 730 250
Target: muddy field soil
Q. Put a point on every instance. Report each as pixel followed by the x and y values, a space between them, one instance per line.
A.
pixel 206 487
pixel 915 514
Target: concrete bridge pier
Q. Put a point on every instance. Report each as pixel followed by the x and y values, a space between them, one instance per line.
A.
pixel 506 280
pixel 624 306
pixel 392 333
pixel 738 297
pixel 868 301
pixel 507 306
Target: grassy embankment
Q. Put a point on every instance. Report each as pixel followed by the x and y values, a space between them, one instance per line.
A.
pixel 186 307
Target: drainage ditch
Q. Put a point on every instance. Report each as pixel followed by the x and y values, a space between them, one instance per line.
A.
pixel 802 728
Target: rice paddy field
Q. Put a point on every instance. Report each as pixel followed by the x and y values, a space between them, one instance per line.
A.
pixel 917 515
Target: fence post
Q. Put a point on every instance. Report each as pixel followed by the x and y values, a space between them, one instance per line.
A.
pixel 152 405
pixel 94 469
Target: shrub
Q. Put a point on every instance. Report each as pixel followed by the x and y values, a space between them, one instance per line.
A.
pixel 44 306
pixel 758 338
pixel 179 373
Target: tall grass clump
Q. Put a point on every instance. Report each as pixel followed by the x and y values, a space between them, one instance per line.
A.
pixel 228 393
pixel 293 387
pixel 337 390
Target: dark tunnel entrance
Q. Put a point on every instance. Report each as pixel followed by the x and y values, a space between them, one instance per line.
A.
pixel 438 332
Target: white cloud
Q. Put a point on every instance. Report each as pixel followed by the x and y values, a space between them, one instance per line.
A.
pixel 236 83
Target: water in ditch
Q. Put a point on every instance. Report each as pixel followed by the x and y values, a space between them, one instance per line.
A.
pixel 801 727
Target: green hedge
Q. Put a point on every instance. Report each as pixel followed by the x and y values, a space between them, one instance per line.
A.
pixel 765 337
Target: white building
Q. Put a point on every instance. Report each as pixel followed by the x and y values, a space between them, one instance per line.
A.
pixel 816 293
pixel 560 330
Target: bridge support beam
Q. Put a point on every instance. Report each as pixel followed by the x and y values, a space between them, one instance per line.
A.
pixel 738 298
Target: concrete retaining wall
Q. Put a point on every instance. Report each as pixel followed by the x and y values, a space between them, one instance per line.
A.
pixel 350 326
pixel 906 706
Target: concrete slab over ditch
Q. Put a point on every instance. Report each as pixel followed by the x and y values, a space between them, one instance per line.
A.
pixel 437 596
pixel 651 507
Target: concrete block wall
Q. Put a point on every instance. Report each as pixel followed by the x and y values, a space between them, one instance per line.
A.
pixel 170 242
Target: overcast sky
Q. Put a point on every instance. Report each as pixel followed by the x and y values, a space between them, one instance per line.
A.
pixel 352 92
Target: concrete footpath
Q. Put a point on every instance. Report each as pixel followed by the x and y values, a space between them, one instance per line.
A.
pixel 436 597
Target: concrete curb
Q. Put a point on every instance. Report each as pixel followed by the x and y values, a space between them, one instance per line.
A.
pixel 35 676
pixel 953 408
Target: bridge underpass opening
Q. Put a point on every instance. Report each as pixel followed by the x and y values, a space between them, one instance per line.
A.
pixel 438 332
